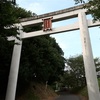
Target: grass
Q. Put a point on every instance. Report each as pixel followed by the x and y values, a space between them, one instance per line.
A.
pixel 37 91
pixel 28 94
pixel 84 91
pixel 99 82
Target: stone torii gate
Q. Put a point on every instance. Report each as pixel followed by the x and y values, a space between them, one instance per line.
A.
pixel 82 25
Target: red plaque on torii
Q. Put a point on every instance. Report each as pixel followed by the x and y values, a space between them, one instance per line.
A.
pixel 47 24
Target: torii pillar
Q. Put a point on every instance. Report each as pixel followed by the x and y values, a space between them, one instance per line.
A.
pixel 90 70
pixel 13 74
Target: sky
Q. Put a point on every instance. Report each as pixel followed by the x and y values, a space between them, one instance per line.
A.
pixel 70 42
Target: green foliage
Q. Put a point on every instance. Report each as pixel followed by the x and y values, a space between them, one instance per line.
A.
pixel 22 13
pixel 74 79
pixel 37 91
pixel 97 64
pixel 11 1
pixel 5 59
pixel 31 96
pixel 27 94
pixel 93 7
pixel 77 73
pixel 84 92
pixel 10 14
pixel 99 82
pixel 41 60
pixel 79 1
pixel 7 18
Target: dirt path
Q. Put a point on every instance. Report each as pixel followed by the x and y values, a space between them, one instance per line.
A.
pixel 67 96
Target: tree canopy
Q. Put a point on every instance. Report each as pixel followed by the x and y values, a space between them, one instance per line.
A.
pixel 9 15
pixel 74 76
pixel 77 71
pixel 93 7
pixel 41 59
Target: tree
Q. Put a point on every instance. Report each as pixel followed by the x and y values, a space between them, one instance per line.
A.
pixel 97 64
pixel 7 19
pixel 77 70
pixel 42 58
pixel 8 15
pixel 93 7
pixel 75 77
